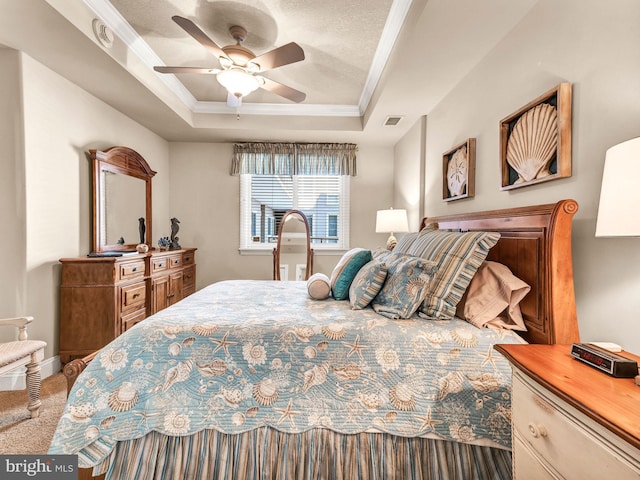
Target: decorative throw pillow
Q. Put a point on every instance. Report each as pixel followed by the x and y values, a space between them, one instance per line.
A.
pixel 346 270
pixel 405 287
pixel 458 256
pixel 366 284
pixel 319 286
pixel 493 298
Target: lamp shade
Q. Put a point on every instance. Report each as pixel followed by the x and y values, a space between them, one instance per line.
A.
pixel 238 82
pixel 618 214
pixel 390 221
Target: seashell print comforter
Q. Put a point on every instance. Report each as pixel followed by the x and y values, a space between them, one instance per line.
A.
pixel 238 355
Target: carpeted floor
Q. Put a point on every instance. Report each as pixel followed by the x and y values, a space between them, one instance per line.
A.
pixel 19 434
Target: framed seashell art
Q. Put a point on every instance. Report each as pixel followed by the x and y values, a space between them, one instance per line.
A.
pixel 459 171
pixel 535 141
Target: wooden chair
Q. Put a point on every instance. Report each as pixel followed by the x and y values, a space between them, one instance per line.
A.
pixel 24 352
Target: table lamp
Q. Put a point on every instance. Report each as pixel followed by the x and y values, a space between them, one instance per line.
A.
pixel 390 221
pixel 620 192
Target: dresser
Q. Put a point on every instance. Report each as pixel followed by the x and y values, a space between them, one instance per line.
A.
pixel 101 297
pixel 569 420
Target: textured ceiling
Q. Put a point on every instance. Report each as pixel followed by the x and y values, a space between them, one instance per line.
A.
pixel 365 60
pixel 339 39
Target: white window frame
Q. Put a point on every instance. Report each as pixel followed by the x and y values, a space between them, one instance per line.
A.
pixel 248 247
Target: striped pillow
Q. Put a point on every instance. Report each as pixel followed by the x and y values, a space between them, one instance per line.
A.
pixel 458 256
pixel 366 284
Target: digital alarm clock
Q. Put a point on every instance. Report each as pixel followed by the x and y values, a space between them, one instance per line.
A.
pixel 604 360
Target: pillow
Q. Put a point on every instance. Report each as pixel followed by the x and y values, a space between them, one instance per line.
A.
pixel 366 284
pixel 405 242
pixel 405 287
pixel 346 270
pixel 319 286
pixel 458 256
pixel 493 298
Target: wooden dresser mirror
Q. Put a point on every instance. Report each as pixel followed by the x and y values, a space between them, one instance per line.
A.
pixel 121 200
pixel 293 247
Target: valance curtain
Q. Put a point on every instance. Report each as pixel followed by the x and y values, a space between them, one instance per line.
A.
pixel 294 159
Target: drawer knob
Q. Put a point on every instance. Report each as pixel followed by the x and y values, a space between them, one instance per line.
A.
pixel 134 269
pixel 537 431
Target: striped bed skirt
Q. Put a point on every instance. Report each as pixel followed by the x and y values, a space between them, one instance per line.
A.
pixel 318 454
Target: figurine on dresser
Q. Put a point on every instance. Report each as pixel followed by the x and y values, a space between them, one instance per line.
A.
pixel 175 226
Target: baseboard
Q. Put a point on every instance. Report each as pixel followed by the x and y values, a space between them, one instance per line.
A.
pixel 15 380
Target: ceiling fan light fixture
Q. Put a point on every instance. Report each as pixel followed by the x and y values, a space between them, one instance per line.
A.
pixel 238 82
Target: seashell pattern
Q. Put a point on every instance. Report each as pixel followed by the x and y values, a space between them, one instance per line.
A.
pixel 123 398
pixel 205 329
pixel 212 369
pixel 351 371
pixel 464 337
pixel 334 331
pixel 265 392
pixel 329 370
pixel 533 142
pixel 402 397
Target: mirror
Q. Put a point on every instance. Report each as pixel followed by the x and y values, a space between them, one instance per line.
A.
pixel 121 199
pixel 293 255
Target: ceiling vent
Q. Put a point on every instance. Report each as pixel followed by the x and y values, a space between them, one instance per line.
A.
pixel 392 121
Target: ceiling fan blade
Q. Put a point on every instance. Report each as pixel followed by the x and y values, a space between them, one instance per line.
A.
pixel 282 90
pixel 187 70
pixel 195 31
pixel 233 101
pixel 289 53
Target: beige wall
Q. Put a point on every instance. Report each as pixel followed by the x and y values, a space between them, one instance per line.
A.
pixel 595 47
pixel 408 173
pixel 61 122
pixel 206 200
pixel 12 192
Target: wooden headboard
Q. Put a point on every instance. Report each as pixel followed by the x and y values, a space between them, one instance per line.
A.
pixel 535 244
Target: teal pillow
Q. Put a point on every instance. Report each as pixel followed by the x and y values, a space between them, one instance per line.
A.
pixel 366 284
pixel 346 270
pixel 406 285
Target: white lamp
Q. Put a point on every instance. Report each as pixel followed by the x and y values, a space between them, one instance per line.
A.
pixel 618 214
pixel 238 82
pixel 389 221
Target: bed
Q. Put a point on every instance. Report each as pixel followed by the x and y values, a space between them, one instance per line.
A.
pixel 255 379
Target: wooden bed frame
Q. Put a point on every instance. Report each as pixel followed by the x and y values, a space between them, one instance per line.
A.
pixel 535 244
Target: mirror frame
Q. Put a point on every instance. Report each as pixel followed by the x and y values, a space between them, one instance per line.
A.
pixel 125 161
pixel 276 251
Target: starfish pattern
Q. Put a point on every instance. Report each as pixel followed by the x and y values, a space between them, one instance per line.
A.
pixel 355 347
pixel 287 413
pixel 428 422
pixel 223 344
pixel 488 357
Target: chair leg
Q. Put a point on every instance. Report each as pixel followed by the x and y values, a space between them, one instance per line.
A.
pixel 33 387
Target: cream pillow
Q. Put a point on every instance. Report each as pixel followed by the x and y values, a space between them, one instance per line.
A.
pixel 493 298
pixel 319 286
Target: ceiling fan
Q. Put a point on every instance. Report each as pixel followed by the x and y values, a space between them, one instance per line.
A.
pixel 240 65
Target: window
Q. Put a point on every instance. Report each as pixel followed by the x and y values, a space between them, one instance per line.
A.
pixel 324 199
pixel 310 177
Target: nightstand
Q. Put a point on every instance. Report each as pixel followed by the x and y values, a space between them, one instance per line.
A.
pixel 570 420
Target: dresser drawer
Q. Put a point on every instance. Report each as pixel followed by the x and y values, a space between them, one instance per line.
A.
pixel 131 270
pixel 132 297
pixel 131 319
pixel 159 264
pixel 189 281
pixel 572 444
pixel 175 261
pixel 188 258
